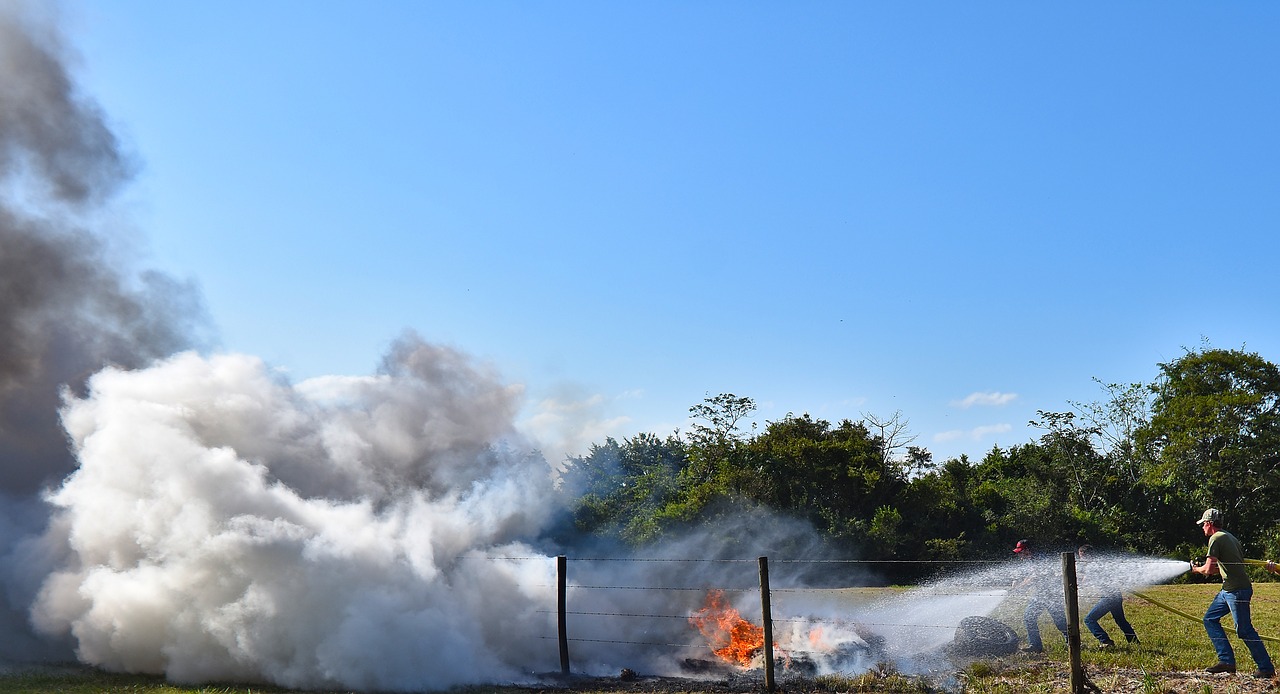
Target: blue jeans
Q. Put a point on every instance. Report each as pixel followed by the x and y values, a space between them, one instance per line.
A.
pixel 1114 604
pixel 1237 603
pixel 1030 616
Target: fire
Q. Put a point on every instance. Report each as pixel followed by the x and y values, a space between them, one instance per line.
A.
pixel 730 636
pixel 817 639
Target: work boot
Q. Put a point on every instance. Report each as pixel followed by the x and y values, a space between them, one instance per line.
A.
pixel 1221 667
pixel 1133 639
pixel 1264 674
pixel 1108 646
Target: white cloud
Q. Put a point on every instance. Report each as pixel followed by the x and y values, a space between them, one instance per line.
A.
pixel 992 399
pixel 974 434
pixel 983 432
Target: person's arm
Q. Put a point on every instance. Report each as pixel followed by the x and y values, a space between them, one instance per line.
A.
pixel 1272 567
pixel 1208 568
pixel 1020 583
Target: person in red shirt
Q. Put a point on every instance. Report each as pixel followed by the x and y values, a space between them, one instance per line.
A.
pixel 1046 596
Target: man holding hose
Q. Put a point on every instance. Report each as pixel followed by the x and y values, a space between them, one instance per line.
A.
pixel 1226 558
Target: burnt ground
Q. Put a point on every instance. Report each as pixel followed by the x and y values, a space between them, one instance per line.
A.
pixel 1043 677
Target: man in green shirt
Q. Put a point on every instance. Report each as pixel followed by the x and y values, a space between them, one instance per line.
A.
pixel 1226 559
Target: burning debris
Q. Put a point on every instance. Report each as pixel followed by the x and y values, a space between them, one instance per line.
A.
pixel 809 646
pixel 812 646
pixel 732 638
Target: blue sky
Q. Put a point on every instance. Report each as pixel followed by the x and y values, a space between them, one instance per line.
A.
pixel 963 212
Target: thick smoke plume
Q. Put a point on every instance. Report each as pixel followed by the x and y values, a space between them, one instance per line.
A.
pixel 358 533
pixel 66 310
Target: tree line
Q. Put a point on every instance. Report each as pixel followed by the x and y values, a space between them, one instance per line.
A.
pixel 1129 472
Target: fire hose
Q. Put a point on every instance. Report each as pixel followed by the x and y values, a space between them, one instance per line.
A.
pixel 1180 613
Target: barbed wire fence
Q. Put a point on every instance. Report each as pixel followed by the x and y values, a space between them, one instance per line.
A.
pixel 596 597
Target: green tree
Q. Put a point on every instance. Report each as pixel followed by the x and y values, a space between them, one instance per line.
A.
pixel 1025 492
pixel 835 478
pixel 945 521
pixel 621 489
pixel 895 436
pixel 1113 424
pixel 716 470
pixel 1214 436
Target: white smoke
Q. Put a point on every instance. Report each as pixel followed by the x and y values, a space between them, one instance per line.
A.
pixel 224 524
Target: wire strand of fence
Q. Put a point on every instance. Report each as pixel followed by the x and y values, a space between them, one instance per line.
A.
pixel 805 621
pixel 812 622
pixel 617 614
pixel 632 643
pixel 889 590
pixel 819 622
pixel 675 588
pixel 693 589
pixel 634 559
pixel 936 562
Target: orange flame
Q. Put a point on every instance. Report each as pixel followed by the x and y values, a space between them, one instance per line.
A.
pixel 817 639
pixel 730 636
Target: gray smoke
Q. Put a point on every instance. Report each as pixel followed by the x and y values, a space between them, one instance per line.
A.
pixel 66 306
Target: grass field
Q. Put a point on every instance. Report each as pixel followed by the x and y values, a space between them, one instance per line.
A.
pixel 1169 641
pixel 1170 644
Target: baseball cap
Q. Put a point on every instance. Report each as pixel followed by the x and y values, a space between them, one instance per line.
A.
pixel 1022 546
pixel 1210 515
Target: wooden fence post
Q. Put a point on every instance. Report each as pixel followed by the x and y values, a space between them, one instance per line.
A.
pixel 1073 621
pixel 767 619
pixel 561 567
